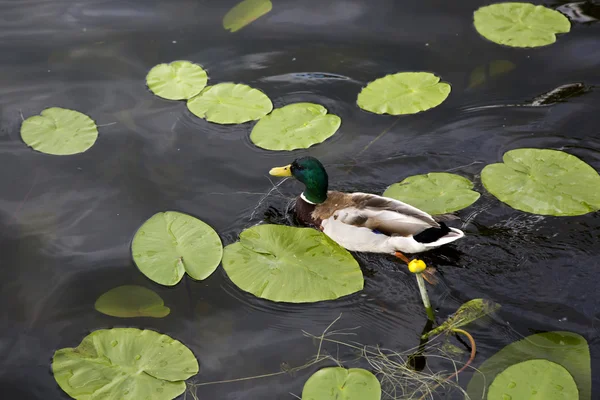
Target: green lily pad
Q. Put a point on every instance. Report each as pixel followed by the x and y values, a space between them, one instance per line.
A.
pixel 567 349
pixel 471 311
pixel 403 93
pixel 230 103
pixel 534 380
pixel 288 264
pixel 130 301
pixel 59 131
pixel 434 193
pixel 170 243
pixel 545 182
pixel 295 126
pixel 340 383
pixel 520 24
pixel 244 13
pixel 124 363
pixel 179 80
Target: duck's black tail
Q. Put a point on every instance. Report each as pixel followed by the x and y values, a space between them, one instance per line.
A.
pixel 430 235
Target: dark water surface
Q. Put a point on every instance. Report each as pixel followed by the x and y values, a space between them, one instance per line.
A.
pixel 67 222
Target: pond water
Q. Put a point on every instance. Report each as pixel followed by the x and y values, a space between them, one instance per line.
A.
pixel 67 222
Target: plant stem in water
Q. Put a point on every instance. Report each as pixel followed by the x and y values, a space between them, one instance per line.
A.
pixel 425 297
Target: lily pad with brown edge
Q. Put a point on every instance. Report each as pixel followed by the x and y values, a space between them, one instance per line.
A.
pixel 129 301
pixel 179 80
pixel 336 383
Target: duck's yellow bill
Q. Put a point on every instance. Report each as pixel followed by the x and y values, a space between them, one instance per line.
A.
pixel 281 171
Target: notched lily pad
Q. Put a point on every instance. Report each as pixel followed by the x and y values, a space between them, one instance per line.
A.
pixel 179 80
pixel 244 13
pixel 59 131
pixel 545 182
pixel 294 265
pixel 520 24
pixel 124 363
pixel 403 93
pixel 130 301
pixel 295 126
pixel 170 243
pixel 434 193
pixel 341 383
pixel 230 103
pixel 471 311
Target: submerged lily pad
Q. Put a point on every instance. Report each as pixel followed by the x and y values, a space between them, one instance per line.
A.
pixel 471 311
pixel 545 182
pixel 130 301
pixel 341 383
pixel 230 103
pixel 434 193
pixel 244 13
pixel 567 349
pixel 124 363
pixel 59 131
pixel 534 379
pixel 179 80
pixel 170 243
pixel 403 93
pixel 520 24
pixel 295 126
pixel 288 264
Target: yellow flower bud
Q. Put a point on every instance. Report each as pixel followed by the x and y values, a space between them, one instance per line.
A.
pixel 417 266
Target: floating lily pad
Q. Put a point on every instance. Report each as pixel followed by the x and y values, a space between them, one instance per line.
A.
pixel 170 244
pixel 230 103
pixel 403 93
pixel 295 126
pixel 567 349
pixel 535 380
pixel 179 80
pixel 288 264
pixel 341 383
pixel 545 182
pixel 130 301
pixel 124 363
pixel 520 24
pixel 59 131
pixel 244 13
pixel 471 311
pixel 434 193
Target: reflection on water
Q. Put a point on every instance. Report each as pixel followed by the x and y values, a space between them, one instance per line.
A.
pixel 67 222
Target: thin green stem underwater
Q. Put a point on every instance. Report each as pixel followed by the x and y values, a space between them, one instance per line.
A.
pixel 425 298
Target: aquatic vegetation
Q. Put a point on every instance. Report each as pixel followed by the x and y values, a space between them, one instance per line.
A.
pixel 469 312
pixel 435 193
pixel 244 13
pixel 59 131
pixel 534 379
pixel 179 80
pixel 403 93
pixel 494 69
pixel 520 24
pixel 130 301
pixel 542 181
pixel 294 265
pixel 170 243
pixel 568 350
pixel 295 126
pixel 230 103
pixel 341 383
pixel 124 363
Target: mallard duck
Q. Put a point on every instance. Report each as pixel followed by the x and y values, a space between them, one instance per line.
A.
pixel 363 222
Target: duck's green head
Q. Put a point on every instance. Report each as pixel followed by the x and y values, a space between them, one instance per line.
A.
pixel 309 171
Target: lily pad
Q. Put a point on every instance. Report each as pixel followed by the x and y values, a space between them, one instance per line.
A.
pixel 434 193
pixel 567 349
pixel 130 301
pixel 295 126
pixel 403 93
pixel 244 13
pixel 179 80
pixel 124 363
pixel 288 264
pixel 230 103
pixel 520 24
pixel 59 131
pixel 340 383
pixel 545 182
pixel 170 243
pixel 534 380
pixel 471 311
